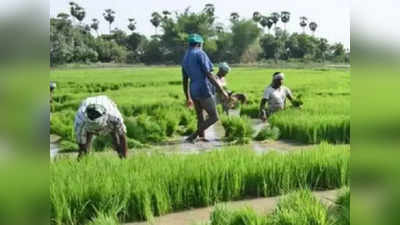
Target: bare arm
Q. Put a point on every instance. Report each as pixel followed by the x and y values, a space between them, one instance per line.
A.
pixel 123 147
pixel 213 80
pixel 263 114
pixel 85 148
pixel 185 83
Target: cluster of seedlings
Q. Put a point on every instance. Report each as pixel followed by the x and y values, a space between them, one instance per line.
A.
pixel 148 185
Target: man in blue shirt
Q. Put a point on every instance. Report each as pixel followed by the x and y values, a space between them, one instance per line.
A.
pixel 197 68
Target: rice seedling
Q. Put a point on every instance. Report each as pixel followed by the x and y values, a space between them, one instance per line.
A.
pixel 147 185
pixel 102 219
pixel 222 215
pixel 157 92
pixel 237 129
pixel 144 129
pixel 296 208
pixel 343 207
pixel 300 208
pixel 268 133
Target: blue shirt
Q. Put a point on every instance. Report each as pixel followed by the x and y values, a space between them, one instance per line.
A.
pixel 196 65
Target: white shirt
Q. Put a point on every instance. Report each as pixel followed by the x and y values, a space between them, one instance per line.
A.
pixel 276 98
pixel 111 121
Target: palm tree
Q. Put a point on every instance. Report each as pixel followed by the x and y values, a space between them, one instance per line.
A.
pixel 155 20
pixel 313 27
pixel 234 17
pixel 219 28
pixel 109 16
pixel 77 11
pixel 209 10
pixel 269 22
pixel 303 23
pixel 264 22
pixel 63 16
pixel 256 16
pixel 166 14
pixel 132 24
pixel 275 17
pixel 285 17
pixel 95 25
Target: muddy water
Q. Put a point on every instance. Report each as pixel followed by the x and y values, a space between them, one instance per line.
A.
pixel 201 215
pixel 213 134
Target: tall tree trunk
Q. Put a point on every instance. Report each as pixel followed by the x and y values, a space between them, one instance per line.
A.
pixel 109 28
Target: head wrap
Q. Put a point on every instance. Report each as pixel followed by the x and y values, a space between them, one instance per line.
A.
pixel 224 67
pixel 279 76
pixel 195 38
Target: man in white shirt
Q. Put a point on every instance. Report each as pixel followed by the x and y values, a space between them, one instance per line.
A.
pixel 99 116
pixel 275 94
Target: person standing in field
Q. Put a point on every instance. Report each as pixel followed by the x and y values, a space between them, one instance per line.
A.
pixel 223 70
pixel 197 68
pixel 275 94
pixel 99 116
pixel 53 86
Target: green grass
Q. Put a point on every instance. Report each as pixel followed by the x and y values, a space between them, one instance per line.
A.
pixel 300 207
pixel 147 185
pixel 157 92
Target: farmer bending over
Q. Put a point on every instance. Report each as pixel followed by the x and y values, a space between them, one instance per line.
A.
pixel 275 94
pixel 99 116
pixel 197 68
pixel 234 98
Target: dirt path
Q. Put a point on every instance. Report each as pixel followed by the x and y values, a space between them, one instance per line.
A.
pixel 260 205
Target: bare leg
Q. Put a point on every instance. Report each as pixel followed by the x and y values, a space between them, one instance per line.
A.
pixel 208 105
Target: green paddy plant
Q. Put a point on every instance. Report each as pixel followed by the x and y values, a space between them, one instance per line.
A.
pixel 144 129
pixel 102 219
pixel 268 133
pixel 237 129
pixel 299 208
pixel 156 90
pixel 343 207
pixel 296 208
pixel 223 215
pixel 147 185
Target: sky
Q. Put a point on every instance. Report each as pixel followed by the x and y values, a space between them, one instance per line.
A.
pixel 332 17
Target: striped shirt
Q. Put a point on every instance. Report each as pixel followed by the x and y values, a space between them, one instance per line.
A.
pixel 111 121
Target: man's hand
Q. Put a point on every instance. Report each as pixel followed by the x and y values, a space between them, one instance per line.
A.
pixel 189 103
pixel 226 96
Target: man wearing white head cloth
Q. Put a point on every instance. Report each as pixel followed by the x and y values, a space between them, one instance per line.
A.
pixel 275 94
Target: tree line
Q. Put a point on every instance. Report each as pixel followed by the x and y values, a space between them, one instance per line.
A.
pixel 244 40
